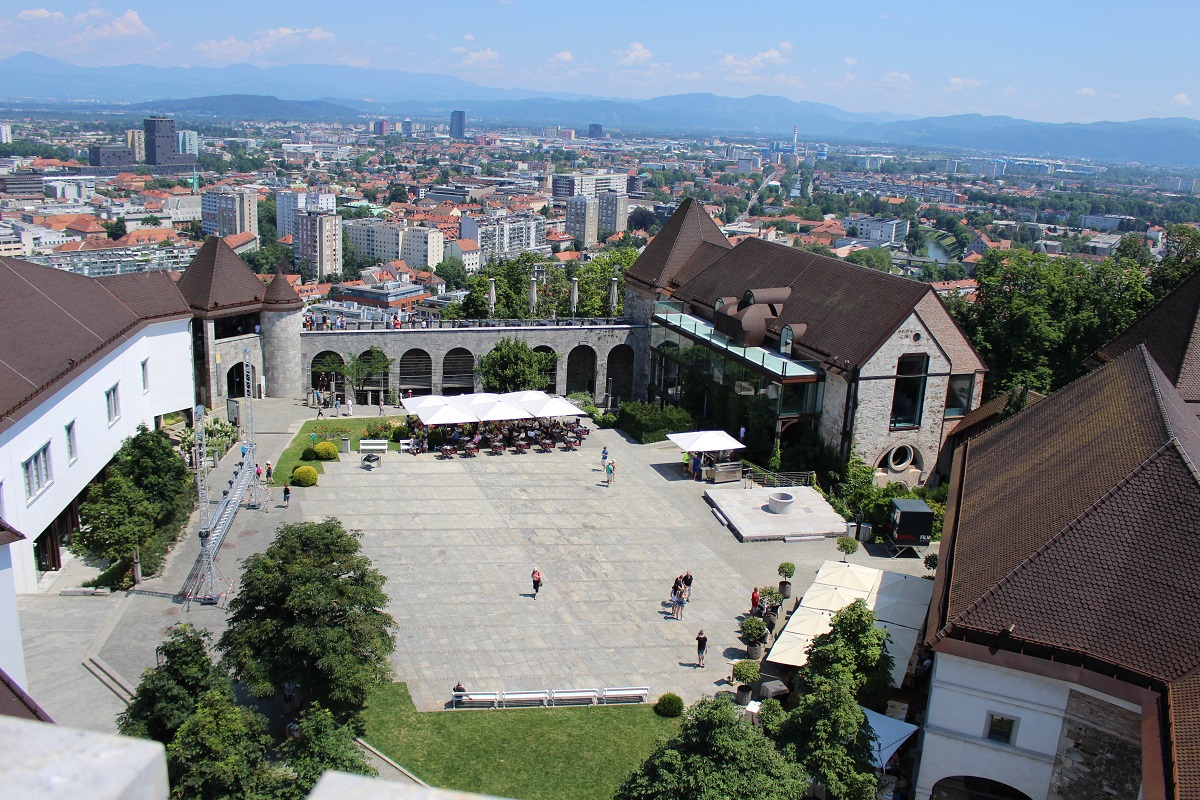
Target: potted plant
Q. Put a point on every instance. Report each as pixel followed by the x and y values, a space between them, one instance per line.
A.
pixel 754 631
pixel 746 673
pixel 786 570
pixel 847 546
pixel 771 600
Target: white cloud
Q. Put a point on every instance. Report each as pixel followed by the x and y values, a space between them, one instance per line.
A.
pixel 468 37
pixel 40 15
pixel 1181 99
pixel 92 13
pixel 851 61
pixel 1086 91
pixel 458 49
pixel 125 26
pixel 566 56
pixel 481 58
pixel 959 84
pixel 897 79
pixel 746 69
pixel 1009 90
pixel 231 49
pixel 637 53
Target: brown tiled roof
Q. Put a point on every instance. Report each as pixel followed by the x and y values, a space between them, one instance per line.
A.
pixel 849 310
pixel 151 294
pixel 280 294
pixel 984 417
pixel 1171 332
pixel 218 281
pixel 9 534
pixel 1184 704
pixel 14 702
pixel 675 244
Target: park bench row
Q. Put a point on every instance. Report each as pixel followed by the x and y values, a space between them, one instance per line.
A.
pixel 552 697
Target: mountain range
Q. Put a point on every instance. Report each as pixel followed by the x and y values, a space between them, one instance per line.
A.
pixel 243 91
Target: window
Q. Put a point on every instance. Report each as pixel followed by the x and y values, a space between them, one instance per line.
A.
pixel 113 398
pixel 145 375
pixel 909 396
pixel 72 446
pixel 958 395
pixel 1001 729
pixel 785 340
pixel 37 472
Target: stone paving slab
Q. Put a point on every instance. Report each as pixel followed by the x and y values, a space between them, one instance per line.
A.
pixel 746 510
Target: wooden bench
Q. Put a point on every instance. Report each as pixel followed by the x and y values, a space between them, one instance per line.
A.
pixel 476 699
pixel 574 697
pixel 625 694
pixel 520 699
pixel 372 447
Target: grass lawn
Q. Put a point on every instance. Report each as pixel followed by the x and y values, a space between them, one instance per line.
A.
pixel 529 754
pixel 333 429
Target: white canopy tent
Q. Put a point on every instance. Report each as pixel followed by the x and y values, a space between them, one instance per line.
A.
pixel 889 735
pixel 705 441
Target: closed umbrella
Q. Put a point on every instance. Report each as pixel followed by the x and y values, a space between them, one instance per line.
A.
pixel 491 298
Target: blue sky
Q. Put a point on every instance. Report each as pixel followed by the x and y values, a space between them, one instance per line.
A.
pixel 1053 61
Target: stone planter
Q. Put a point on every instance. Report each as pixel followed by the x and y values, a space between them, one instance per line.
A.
pixel 754 651
pixel 785 589
pixel 742 695
pixel 780 502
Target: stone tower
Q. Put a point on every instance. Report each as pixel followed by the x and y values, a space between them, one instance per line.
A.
pixel 282 318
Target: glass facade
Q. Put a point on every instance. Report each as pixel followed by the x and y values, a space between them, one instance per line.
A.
pixel 909 396
pixel 958 395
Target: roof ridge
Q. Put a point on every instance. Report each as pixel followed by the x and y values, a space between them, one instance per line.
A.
pixel 1061 534
pixel 1158 398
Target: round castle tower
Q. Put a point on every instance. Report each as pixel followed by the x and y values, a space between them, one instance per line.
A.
pixel 281 322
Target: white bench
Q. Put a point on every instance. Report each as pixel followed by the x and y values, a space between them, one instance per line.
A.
pixel 625 694
pixel 519 699
pixel 405 445
pixel 476 699
pixel 573 697
pixel 372 447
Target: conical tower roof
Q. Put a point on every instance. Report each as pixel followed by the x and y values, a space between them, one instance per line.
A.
pixel 280 294
pixel 690 232
pixel 218 282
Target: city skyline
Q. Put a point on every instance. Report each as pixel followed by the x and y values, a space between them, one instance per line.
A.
pixel 1046 63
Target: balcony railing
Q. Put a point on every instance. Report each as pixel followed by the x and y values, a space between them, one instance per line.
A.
pixel 460 324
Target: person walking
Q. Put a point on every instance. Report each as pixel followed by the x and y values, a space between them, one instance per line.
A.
pixel 536 577
pixel 337 406
pixel 696 467
pixel 687 586
pixel 381 404
pixel 320 411
pixel 270 472
pixel 610 472
pixel 676 604
pixel 701 647
pixel 287 495
pixel 349 405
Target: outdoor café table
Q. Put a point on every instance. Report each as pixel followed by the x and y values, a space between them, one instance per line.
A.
pixel 447 451
pixel 520 446
pixel 498 446
pixel 547 445
pixel 570 443
pixel 471 449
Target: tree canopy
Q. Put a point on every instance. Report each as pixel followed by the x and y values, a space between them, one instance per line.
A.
pixel 716 755
pixel 310 610
pixel 320 744
pixel 512 366
pixel 220 752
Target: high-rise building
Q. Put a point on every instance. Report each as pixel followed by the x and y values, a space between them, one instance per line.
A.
pixel 288 202
pixel 423 247
pixel 6 133
pixel 110 155
pixel 406 127
pixel 318 244
pixel 458 124
pixel 135 140
pixel 506 236
pixel 588 184
pixel 375 239
pixel 187 142
pixel 381 127
pixel 225 211
pixel 595 131
pixel 583 219
pixel 162 146
pixel 614 211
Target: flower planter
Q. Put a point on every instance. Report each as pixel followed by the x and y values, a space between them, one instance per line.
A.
pixel 754 651
pixel 742 696
pixel 780 502
pixel 785 589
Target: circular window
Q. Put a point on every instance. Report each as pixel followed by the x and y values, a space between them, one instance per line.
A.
pixel 916 337
pixel 900 459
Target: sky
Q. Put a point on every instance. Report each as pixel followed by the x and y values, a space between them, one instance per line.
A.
pixel 1055 61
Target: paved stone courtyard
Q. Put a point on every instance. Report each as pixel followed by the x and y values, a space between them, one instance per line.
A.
pixel 457 539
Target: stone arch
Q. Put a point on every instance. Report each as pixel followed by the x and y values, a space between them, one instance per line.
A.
pixel 969 787
pixel 458 371
pixel 234 385
pixel 550 375
pixel 317 368
pixel 581 369
pixel 415 372
pixel 375 383
pixel 620 374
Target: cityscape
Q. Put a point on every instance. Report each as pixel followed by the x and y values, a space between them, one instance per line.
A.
pixel 359 406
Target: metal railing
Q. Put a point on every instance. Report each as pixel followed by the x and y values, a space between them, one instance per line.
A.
pixel 458 324
pixel 775 479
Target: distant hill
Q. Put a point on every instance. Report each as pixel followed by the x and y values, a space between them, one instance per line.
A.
pixel 252 107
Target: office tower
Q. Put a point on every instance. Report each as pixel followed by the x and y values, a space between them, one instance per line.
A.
pixel 406 127
pixel 614 211
pixel 382 127
pixel 110 155
pixel 458 124
pixel 318 244
pixel 6 133
pixel 225 212
pixel 187 142
pixel 135 140
pixel 583 219
pixel 287 203
pixel 162 144
pixel 595 131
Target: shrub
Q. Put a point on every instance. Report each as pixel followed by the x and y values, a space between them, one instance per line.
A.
pixel 754 630
pixel 648 423
pixel 378 429
pixel 931 561
pixel 786 570
pixel 304 476
pixel 583 400
pixel 399 432
pixel 771 715
pixel 605 420
pixel 770 596
pixel 669 705
pixel 308 454
pixel 436 437
pixel 325 451
pixel 392 399
pixel 747 671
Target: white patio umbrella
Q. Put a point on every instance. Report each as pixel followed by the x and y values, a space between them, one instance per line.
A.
pixel 411 404
pixel 551 407
pixel 790 649
pixel 897 611
pixel 520 398
pixel 445 415
pixel 889 735
pixel 901 644
pixel 831 598
pixel 849 576
pixel 499 411
pixel 477 399
pixel 897 586
pixel 705 441
pixel 809 622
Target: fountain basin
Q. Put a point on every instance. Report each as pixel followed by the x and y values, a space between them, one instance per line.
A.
pixel 780 502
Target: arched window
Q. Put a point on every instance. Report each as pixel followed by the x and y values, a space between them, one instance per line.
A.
pixel 785 340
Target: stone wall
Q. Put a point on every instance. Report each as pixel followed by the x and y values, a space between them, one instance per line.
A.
pixel 222 355
pixel 438 342
pixel 1099 752
pixel 281 353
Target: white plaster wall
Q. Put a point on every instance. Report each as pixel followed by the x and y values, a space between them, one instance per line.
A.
pixel 168 347
pixel 12 654
pixel 962 695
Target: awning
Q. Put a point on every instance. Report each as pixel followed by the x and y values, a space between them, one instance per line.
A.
pixel 705 441
pixel 889 735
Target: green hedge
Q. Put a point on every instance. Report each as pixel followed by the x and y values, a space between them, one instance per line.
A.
pixel 648 423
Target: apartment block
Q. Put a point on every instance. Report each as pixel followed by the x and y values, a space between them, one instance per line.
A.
pixel 135 140
pixel 288 202
pixel 506 236
pixel 187 142
pixel 225 212
pixel 588 184
pixel 466 251
pixel 317 244
pixel 583 219
pixel 423 247
pixel 614 212
pixel 375 238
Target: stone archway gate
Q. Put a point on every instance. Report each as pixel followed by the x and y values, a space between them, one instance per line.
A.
pixel 437 342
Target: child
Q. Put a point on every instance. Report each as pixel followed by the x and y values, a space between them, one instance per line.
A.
pixel 287 495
